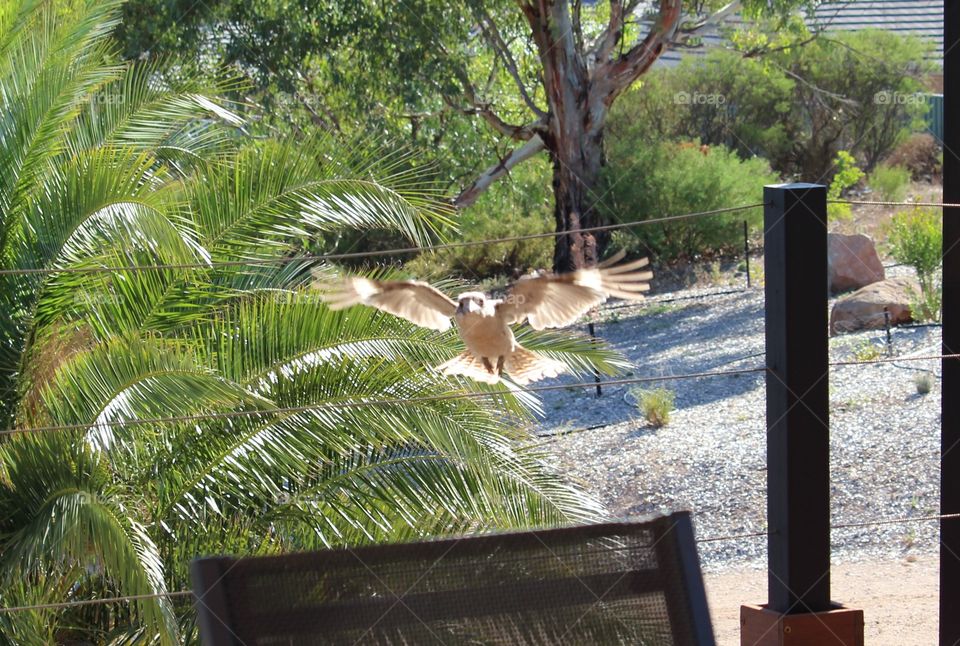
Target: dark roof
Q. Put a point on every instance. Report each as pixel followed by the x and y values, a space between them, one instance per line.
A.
pixel 922 18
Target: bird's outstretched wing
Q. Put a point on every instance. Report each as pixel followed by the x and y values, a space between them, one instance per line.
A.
pixel 556 300
pixel 413 300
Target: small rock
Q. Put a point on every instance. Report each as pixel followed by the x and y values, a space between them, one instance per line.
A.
pixel 852 262
pixel 863 309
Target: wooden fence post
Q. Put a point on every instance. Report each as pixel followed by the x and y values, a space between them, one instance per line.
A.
pixel 798 437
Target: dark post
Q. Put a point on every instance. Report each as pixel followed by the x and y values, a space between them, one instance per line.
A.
pixel 886 326
pixel 950 403
pixel 596 373
pixel 798 465
pixel 210 600
pixel 746 250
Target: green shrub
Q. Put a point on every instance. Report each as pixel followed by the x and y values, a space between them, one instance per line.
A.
pixel 915 238
pixel 866 350
pixel 651 181
pixel 656 405
pixel 923 382
pixel 723 98
pixel 847 175
pixel 517 205
pixel 796 106
pixel 890 182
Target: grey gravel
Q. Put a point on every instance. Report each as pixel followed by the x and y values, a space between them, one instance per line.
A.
pixel 710 458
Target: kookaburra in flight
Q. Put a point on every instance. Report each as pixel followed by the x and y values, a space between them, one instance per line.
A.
pixel 545 300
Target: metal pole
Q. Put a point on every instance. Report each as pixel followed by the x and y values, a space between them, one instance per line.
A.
pixel 596 373
pixel 886 326
pixel 798 443
pixel 746 250
pixel 950 402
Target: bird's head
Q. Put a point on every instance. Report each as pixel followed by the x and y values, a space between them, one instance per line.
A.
pixel 471 302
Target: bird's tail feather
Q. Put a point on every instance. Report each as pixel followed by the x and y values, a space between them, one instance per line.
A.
pixel 525 366
pixel 469 365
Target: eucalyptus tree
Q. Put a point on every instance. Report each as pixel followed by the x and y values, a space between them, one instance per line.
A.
pixel 541 75
pixel 172 387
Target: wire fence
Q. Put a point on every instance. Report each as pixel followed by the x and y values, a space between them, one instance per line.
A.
pixel 308 258
pixel 712 539
pixel 445 397
pixel 258 262
pixel 237 414
pixel 881 203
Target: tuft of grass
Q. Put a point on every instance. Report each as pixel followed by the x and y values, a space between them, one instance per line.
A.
pixel 867 351
pixel 909 538
pixel 923 382
pixel 656 405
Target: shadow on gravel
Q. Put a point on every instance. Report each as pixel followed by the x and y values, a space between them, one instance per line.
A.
pixel 710 334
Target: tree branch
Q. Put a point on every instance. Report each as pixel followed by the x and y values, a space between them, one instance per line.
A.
pixel 713 19
pixel 623 71
pixel 493 37
pixel 485 109
pixel 470 194
pixel 611 34
pixel 520 133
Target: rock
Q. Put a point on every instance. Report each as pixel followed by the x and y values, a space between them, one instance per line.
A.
pixel 863 309
pixel 852 262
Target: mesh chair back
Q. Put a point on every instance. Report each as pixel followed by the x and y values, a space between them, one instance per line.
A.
pixel 619 583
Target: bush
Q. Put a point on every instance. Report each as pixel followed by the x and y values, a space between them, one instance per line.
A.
pixel 866 350
pixel 915 238
pixel 846 175
pixel 890 182
pixel 656 405
pixel 722 99
pixel 921 155
pixel 672 179
pixel 923 382
pixel 858 93
pixel 519 204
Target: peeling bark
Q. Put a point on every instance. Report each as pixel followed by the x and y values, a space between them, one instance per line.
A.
pixel 580 85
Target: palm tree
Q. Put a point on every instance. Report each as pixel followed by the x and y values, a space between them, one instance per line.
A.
pixel 152 270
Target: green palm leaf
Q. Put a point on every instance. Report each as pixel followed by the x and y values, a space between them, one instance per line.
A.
pixel 59 507
pixel 321 428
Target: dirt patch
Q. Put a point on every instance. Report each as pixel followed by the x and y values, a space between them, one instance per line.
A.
pixel 874 220
pixel 898 598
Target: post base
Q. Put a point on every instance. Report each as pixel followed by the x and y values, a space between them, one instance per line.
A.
pixel 837 627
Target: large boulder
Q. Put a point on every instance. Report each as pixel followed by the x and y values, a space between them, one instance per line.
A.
pixel 863 309
pixel 852 262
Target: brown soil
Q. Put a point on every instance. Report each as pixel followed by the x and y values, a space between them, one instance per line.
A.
pixel 898 598
pixel 873 220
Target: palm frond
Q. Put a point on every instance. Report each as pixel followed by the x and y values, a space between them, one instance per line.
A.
pixel 581 353
pixel 60 507
pixel 147 110
pixel 131 379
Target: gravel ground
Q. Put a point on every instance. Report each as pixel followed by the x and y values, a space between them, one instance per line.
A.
pixel 710 458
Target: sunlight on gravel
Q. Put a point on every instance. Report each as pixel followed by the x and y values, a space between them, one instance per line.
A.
pixel 711 457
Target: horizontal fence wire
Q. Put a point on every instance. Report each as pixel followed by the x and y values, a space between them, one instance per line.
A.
pixel 428 248
pixel 374 402
pixel 263 262
pixel 929 357
pixel 711 539
pixel 179 419
pixel 871 203
pixel 94 602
